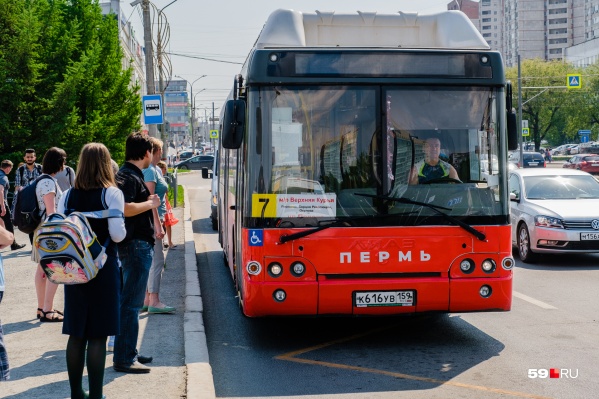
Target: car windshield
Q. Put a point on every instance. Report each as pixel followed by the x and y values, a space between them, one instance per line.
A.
pixel 561 187
pixel 591 158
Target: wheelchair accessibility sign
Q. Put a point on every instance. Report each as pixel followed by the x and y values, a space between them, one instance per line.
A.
pixel 256 237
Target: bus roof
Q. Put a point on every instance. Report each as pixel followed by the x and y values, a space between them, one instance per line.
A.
pixel 446 29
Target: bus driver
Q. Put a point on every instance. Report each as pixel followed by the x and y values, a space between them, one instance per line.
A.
pixel 431 167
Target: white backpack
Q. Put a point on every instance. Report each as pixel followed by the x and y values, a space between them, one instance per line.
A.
pixel 68 248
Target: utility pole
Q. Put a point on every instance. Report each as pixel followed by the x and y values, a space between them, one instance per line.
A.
pixel 150 84
pixel 520 144
pixel 212 128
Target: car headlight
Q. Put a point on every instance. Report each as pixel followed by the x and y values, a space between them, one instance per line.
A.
pixel 548 221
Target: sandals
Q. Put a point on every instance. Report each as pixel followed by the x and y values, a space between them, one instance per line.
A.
pixel 56 316
pixel 40 310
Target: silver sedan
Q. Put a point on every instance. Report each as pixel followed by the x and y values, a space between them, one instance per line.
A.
pixel 553 211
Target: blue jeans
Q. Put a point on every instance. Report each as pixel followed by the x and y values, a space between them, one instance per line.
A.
pixel 136 260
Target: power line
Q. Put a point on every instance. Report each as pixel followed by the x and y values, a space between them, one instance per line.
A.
pixel 204 58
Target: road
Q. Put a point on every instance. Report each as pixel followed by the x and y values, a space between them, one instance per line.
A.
pixel 553 324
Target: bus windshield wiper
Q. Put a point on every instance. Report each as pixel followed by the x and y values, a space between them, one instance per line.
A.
pixel 435 208
pixel 286 238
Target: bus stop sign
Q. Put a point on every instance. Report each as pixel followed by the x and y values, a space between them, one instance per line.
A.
pixel 152 105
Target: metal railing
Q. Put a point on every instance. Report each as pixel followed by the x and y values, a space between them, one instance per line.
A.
pixel 173 181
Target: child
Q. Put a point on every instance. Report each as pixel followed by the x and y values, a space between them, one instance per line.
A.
pixel 162 166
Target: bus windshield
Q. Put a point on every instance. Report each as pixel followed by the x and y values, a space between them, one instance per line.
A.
pixel 331 153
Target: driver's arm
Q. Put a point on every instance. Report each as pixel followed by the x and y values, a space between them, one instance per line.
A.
pixel 413 177
pixel 453 173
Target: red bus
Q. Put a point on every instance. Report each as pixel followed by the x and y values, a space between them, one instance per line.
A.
pixel 363 167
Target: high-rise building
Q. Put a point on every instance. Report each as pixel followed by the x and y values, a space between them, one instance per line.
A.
pixel 176 112
pixel 544 29
pixel 133 54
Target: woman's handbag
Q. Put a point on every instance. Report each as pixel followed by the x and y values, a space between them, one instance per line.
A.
pixel 169 216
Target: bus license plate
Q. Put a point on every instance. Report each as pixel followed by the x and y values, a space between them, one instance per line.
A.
pixel 589 236
pixel 384 298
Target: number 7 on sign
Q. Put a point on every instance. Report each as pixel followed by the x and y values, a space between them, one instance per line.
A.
pixel 264 205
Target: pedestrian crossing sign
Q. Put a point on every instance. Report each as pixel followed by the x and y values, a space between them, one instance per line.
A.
pixel 574 81
pixel 213 134
pixel 525 131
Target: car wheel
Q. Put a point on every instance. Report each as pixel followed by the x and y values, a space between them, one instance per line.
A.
pixel 183 167
pixel 524 251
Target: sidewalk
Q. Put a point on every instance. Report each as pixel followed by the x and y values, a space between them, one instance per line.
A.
pixel 177 342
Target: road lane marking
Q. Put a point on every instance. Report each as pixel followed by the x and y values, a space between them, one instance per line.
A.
pixel 291 357
pixel 533 301
pixel 413 377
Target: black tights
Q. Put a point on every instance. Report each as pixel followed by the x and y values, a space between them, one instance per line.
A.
pixel 96 361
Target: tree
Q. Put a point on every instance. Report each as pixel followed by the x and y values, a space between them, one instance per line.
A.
pixel 544 104
pixel 585 115
pixel 76 91
pixel 19 71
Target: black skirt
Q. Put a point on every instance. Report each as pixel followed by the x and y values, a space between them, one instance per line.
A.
pixel 92 310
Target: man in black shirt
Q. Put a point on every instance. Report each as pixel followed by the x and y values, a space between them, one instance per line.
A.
pixel 4 208
pixel 135 251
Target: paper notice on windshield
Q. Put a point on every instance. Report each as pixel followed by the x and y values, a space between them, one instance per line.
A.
pixel 306 205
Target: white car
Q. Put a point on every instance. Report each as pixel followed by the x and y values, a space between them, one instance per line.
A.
pixel 553 211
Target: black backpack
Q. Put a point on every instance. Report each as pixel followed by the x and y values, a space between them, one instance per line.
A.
pixel 26 211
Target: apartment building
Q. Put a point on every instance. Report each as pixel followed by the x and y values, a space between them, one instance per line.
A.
pixel 133 53
pixel 545 29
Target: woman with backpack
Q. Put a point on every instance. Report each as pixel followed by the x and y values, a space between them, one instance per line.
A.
pixel 48 194
pixel 92 310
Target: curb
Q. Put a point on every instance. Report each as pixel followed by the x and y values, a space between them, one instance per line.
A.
pixel 200 382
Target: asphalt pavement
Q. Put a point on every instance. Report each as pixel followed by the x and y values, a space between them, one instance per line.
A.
pixel 177 342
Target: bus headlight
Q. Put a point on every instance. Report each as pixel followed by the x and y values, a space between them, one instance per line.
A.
pixel 467 266
pixel 488 265
pixel 298 269
pixel 279 295
pixel 485 291
pixel 254 267
pixel 275 269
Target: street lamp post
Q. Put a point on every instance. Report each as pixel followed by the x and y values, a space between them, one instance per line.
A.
pixel 150 79
pixel 159 59
pixel 194 103
pixel 191 111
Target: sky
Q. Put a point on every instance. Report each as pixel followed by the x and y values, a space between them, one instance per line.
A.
pixel 213 38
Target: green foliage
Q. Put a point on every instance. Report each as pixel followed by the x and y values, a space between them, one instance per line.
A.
pixel 61 78
pixel 555 113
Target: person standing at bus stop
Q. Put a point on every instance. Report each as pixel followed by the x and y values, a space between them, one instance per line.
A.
pixel 6 238
pixel 5 169
pixel 135 251
pixel 432 167
pixel 157 185
pixel 27 172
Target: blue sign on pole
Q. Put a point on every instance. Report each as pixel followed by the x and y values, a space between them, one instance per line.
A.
pixel 584 135
pixel 153 109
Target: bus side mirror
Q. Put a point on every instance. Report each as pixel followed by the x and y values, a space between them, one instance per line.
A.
pixel 512 131
pixel 233 124
pixel 512 124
